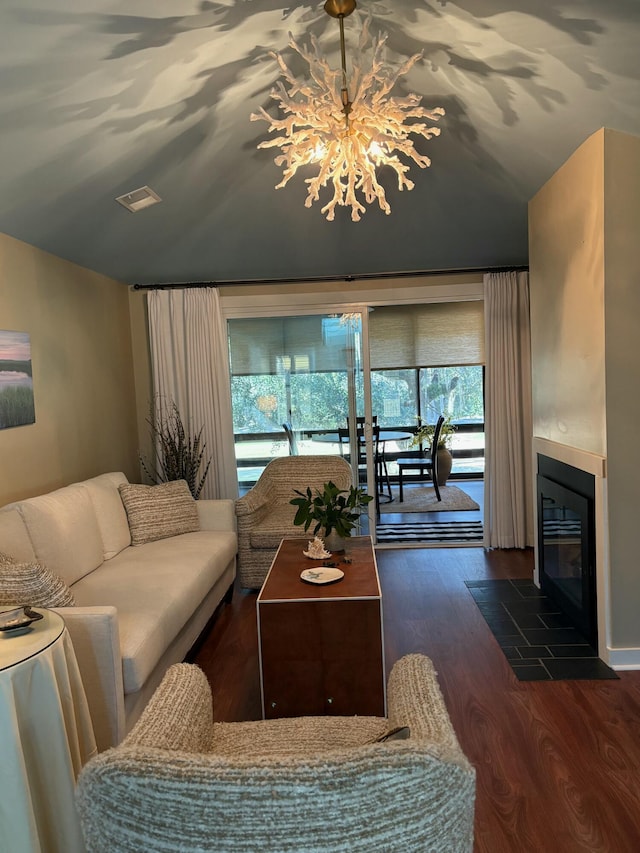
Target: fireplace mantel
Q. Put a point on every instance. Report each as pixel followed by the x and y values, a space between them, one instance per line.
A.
pixel 582 459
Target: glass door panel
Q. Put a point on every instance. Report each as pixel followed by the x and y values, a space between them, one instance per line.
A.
pixel 296 388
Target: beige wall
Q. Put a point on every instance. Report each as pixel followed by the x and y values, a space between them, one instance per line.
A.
pixel 584 254
pixel 82 373
pixel 566 257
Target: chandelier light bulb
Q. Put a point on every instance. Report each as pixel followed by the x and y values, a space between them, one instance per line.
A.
pixel 319 124
pixel 318 153
pixel 376 151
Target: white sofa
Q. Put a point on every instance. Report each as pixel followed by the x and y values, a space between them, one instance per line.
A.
pixel 139 608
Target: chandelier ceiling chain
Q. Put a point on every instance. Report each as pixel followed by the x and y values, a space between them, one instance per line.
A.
pixel 347 139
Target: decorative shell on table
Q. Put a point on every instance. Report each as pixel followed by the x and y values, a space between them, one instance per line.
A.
pixel 316 550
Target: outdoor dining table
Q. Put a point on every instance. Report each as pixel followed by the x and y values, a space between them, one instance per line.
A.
pixel 386 435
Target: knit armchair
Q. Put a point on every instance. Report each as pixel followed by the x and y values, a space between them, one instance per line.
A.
pixel 265 516
pixel 309 785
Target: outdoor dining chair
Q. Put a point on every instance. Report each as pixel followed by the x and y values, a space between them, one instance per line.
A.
pixel 423 464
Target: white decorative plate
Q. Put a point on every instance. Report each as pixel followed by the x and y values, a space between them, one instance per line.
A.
pixel 322 575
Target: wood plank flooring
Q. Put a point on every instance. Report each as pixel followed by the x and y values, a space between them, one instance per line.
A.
pixel 558 763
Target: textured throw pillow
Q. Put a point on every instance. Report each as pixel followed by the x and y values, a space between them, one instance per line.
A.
pixel 157 512
pixel 32 583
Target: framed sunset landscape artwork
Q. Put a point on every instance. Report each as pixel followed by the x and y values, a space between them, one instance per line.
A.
pixel 16 383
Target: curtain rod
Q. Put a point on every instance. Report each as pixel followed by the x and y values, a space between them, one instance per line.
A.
pixel 346 278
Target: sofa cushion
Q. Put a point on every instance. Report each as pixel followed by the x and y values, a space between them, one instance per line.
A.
pixel 31 583
pixel 159 512
pixel 112 519
pixel 295 736
pixel 156 588
pixel 64 531
pixel 14 536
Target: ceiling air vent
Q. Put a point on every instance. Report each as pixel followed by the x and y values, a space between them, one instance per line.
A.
pixel 138 199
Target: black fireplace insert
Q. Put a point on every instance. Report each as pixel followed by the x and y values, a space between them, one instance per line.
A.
pixel 566 542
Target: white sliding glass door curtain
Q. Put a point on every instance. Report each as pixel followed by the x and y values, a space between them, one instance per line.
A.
pixel 189 358
pixel 508 420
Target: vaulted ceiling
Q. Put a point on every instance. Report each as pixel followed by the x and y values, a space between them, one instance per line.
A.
pixel 100 97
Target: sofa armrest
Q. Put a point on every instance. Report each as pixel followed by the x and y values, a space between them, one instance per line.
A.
pixel 217 515
pixel 96 643
pixel 179 716
pixel 414 699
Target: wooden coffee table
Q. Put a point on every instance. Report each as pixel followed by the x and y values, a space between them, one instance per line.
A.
pixel 321 647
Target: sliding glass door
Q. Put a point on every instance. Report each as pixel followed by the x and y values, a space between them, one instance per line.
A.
pixel 324 383
pixel 426 361
pixel 297 388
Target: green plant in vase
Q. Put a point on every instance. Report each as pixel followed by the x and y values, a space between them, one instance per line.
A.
pixel 424 433
pixel 334 511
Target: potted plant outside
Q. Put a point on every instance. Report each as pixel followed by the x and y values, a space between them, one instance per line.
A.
pixel 335 512
pixel 424 435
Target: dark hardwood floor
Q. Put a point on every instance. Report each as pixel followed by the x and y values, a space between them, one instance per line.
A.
pixel 558 763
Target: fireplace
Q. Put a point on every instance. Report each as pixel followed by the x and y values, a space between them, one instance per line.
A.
pixel 566 542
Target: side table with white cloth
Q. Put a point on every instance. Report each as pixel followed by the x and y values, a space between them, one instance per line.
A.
pixel 45 738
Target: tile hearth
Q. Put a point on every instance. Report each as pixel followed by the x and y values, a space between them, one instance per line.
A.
pixel 538 640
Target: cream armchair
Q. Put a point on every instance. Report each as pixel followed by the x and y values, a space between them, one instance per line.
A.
pixel 311 784
pixel 265 516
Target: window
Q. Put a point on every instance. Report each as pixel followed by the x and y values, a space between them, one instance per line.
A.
pixel 427 360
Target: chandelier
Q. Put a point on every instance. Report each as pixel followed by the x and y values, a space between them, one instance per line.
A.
pixel 347 134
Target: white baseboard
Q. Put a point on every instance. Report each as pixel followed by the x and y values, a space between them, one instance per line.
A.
pixel 623 658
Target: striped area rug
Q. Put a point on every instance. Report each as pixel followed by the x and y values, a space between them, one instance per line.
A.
pixel 431 531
